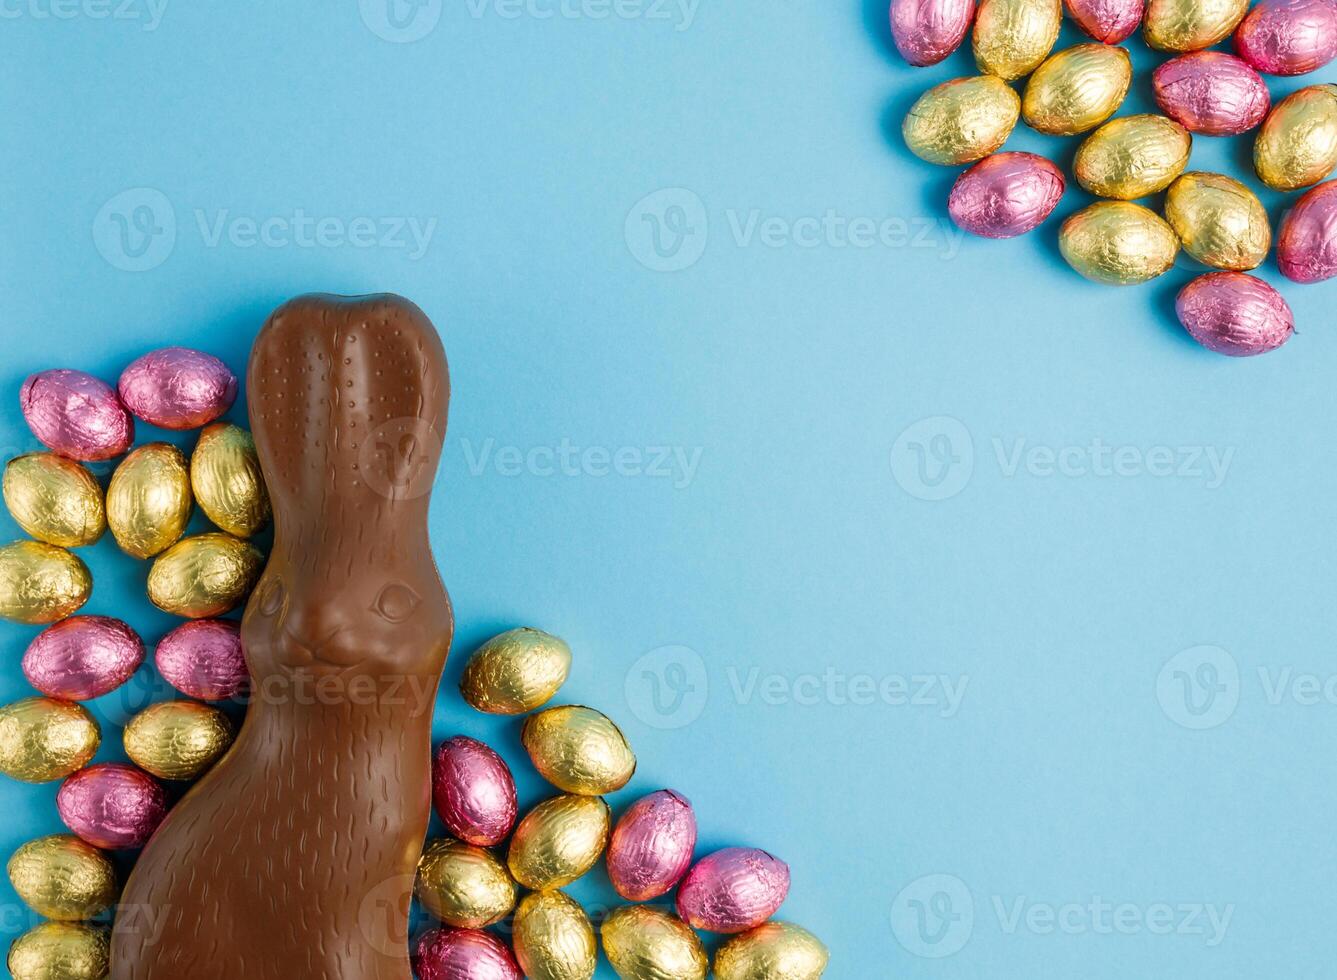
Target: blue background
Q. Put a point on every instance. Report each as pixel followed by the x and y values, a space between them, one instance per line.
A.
pixel 802 545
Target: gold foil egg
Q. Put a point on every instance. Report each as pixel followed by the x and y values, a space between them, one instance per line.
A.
pixel 1077 89
pixel 464 886
pixel 55 499
pixel 42 739
pixel 61 951
pixel 149 500
pixel 961 121
pixel 1133 156
pixel 1219 221
pixel 553 938
pixel 1190 25
pixel 63 878
pixel 515 672
pixel 204 575
pixel 1297 144
pixel 774 951
pixel 40 583
pixel 177 739
pixel 647 943
pixel 558 841
pixel 225 474
pixel 1012 37
pixel 1118 243
pixel 578 750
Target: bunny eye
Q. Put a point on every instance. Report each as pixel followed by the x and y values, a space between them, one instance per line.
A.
pixel 396 602
pixel 271 597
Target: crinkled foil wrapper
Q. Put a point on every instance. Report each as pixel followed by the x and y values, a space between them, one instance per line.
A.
pixel 1077 89
pixel 1234 313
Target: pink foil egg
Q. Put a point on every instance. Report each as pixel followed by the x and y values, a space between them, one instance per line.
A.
pixel 112 805
pixel 83 657
pixel 463 954
pixel 733 890
pixel 178 388
pixel 1288 37
pixel 1110 21
pixel 203 659
pixel 473 791
pixel 1212 93
pixel 1307 241
pixel 651 847
pixel 927 31
pixel 76 415
pixel 1234 313
pixel 1006 194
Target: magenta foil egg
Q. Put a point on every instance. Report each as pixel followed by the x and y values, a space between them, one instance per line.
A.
pixel 112 805
pixel 1288 37
pixel 83 657
pixel 1212 93
pixel 178 388
pixel 473 791
pixel 733 890
pixel 1307 240
pixel 927 31
pixel 1006 194
pixel 1234 313
pixel 1110 21
pixel 463 954
pixel 651 847
pixel 203 659
pixel 76 415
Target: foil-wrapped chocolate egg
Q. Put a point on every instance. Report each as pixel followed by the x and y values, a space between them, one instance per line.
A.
pixel 1234 313
pixel 962 120
pixel 1219 221
pixel 1077 89
pixel 1307 241
pixel 149 500
pixel 76 415
pixel 1297 145
pixel 646 943
pixel 63 878
pixel 1118 243
pixel 42 739
pixel 225 474
pixel 83 657
pixel 54 499
pixel 1005 195
pixel 1133 156
pixel 464 886
pixel 1288 37
pixel 205 575
pixel 463 954
pixel 112 805
pixel 1212 93
pixel 773 951
pixel 61 951
pixel 177 739
pixel 515 672
pixel 558 841
pixel 178 388
pixel 1190 25
pixel 651 847
pixel 473 791
pixel 40 583
pixel 1108 21
pixel 203 659
pixel 733 890
pixel 1011 37
pixel 553 938
pixel 578 750
pixel 927 31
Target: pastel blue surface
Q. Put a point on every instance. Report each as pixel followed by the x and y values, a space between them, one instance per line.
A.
pixel 992 604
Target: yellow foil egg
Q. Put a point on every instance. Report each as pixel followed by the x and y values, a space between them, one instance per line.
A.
pixel 1012 37
pixel 647 943
pixel 63 878
pixel 148 500
pixel 1297 143
pixel 1118 243
pixel 558 841
pixel 1219 221
pixel 1133 156
pixel 61 951
pixel 40 583
pixel 515 672
pixel 1077 89
pixel 42 739
pixel 464 886
pixel 961 121
pixel 55 499
pixel 578 750
pixel 225 474
pixel 177 739
pixel 1190 25
pixel 553 938
pixel 205 575
pixel 774 951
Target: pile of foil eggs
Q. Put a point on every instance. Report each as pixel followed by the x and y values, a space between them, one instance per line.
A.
pixel 1212 218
